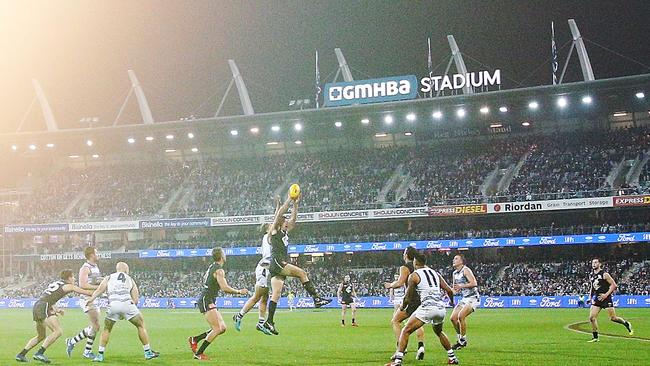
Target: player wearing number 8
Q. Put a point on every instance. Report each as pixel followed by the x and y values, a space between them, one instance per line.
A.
pixel 123 296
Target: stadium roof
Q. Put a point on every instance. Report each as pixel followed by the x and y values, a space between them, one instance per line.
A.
pixel 595 100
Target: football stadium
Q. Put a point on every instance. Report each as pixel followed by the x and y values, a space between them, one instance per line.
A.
pixel 501 215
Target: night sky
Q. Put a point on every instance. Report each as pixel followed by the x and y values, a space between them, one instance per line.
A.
pixel 80 50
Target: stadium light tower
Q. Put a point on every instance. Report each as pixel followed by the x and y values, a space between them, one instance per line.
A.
pixel 458 60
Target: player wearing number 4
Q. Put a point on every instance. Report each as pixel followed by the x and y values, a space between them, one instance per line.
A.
pixel 122 294
pixel 45 315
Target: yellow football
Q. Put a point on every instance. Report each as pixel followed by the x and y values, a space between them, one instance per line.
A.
pixel 294 191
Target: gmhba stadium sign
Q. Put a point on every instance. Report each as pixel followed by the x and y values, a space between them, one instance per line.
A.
pixel 403 87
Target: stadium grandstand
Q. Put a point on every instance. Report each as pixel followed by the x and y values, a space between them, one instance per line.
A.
pixel 528 187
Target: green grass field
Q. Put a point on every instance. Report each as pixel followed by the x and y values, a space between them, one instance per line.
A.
pixel 313 337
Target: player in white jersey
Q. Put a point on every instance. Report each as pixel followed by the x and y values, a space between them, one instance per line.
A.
pixel 89 278
pixel 427 286
pixel 261 294
pixel 397 296
pixel 464 283
pixel 122 294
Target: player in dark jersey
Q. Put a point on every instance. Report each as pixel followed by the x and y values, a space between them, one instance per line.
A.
pixel 45 312
pixel 214 280
pixel 280 267
pixel 346 295
pixel 602 288
pixel 403 314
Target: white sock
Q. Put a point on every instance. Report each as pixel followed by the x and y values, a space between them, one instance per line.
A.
pixel 451 354
pixel 101 349
pixel 146 347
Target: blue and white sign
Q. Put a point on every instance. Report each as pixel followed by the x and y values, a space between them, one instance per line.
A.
pixel 371 91
pixel 36 228
pixel 488 302
pixel 175 223
pixel 418 244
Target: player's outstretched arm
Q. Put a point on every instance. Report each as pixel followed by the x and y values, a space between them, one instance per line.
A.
pixel 280 211
pixel 294 215
pixel 445 287
pixel 74 288
pixel 99 290
pixel 223 284
pixel 339 292
pixel 403 277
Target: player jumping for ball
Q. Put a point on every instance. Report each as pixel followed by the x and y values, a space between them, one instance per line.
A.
pixel 123 294
pixel 346 295
pixel 464 282
pixel 45 315
pixel 280 269
pixel 214 280
pixel 425 286
pixel 404 312
pixel 602 288
pixel 89 278
pixel 261 294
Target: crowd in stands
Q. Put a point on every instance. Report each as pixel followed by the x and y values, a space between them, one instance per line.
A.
pixel 440 172
pixel 511 274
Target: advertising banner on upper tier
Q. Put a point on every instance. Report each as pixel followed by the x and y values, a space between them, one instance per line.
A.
pixel 488 302
pixel 104 226
pixel 36 228
pixel 551 205
pixel 351 215
pixel 175 223
pixel 631 201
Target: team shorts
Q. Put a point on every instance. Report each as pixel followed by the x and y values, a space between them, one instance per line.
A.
pixel 468 301
pixel 41 311
pixel 411 308
pixel 276 267
pixel 262 276
pixel 607 303
pixel 118 310
pixel 86 307
pixel 433 316
pixel 347 301
pixel 205 304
